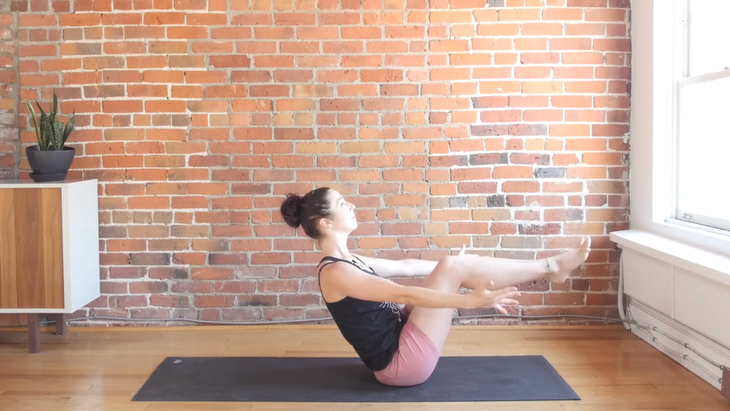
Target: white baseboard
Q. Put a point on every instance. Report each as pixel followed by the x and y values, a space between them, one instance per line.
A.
pixel 714 351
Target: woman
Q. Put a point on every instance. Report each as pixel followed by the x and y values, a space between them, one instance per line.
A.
pixel 402 347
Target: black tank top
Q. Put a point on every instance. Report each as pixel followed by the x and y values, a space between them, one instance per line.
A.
pixel 372 328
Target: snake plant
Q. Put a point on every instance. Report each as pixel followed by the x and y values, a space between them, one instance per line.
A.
pixel 51 133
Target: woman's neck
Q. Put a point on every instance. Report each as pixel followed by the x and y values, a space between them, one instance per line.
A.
pixel 335 247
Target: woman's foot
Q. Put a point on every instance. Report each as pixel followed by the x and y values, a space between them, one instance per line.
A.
pixel 562 265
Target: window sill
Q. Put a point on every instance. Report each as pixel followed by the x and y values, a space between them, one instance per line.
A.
pixel 706 263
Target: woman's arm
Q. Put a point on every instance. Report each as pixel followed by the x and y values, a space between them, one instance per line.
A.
pixel 409 267
pixel 352 282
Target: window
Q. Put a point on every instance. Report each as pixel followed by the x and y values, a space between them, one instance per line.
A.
pixel 702 150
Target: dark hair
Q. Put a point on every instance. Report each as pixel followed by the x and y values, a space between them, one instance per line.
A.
pixel 307 210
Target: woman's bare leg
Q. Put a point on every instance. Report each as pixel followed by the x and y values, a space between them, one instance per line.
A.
pixel 504 272
pixel 454 272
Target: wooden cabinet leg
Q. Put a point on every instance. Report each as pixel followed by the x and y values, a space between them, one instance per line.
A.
pixel 34 334
pixel 60 323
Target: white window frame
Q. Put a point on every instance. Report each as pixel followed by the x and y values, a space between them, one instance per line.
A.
pixel 686 216
pixel 656 67
pixel 677 215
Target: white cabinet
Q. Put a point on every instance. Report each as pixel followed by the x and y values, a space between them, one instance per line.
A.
pixel 49 249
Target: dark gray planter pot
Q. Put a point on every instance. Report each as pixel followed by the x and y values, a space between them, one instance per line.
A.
pixel 49 165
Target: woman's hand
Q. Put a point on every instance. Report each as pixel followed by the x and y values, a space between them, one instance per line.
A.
pixel 480 297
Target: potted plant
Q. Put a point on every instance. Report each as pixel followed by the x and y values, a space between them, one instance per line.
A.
pixel 50 159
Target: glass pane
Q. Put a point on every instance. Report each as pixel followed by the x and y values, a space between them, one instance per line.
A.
pixel 709 33
pixel 704 149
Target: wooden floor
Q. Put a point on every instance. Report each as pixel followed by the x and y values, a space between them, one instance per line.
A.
pixel 102 368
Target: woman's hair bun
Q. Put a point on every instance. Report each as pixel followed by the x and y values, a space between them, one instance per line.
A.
pixel 290 210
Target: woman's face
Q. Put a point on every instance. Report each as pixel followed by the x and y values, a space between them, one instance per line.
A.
pixel 342 214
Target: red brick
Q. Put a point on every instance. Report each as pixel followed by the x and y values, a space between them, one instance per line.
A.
pixel 202 301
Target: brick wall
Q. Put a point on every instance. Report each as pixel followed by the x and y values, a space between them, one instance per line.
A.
pixel 497 125
pixel 8 91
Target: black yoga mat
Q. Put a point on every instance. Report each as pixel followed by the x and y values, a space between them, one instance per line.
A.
pixel 296 379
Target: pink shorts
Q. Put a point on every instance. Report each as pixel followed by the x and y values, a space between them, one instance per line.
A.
pixel 414 361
